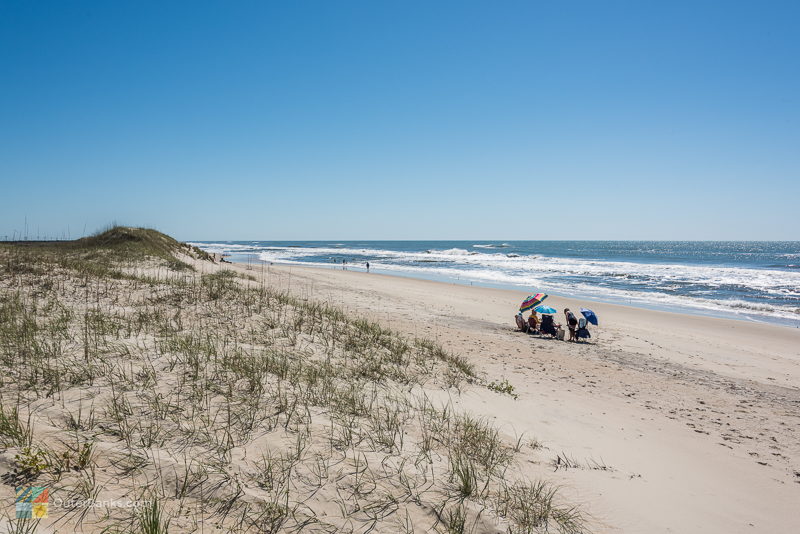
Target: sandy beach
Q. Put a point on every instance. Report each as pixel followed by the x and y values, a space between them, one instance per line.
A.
pixel 678 423
pixel 274 398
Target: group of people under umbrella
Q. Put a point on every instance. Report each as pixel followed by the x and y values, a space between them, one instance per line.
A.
pixel 578 327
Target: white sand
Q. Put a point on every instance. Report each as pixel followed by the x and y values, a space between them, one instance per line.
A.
pixel 696 418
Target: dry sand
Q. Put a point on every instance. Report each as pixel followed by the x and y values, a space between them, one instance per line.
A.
pixel 679 423
pixel 662 423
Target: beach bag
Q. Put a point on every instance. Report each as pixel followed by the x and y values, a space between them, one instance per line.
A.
pixel 560 334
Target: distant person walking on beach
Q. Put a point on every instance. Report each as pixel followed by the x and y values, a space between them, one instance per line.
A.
pixel 344 264
pixel 572 323
pixel 367 266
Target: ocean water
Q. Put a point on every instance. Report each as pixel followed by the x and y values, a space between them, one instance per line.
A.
pixel 746 280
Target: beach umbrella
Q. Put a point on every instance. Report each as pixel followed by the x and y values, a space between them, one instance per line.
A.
pixel 532 301
pixel 545 309
pixel 590 316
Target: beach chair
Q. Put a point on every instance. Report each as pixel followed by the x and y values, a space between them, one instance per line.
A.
pixel 583 329
pixel 548 326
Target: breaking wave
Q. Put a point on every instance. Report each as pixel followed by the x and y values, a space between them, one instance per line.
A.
pixel 716 289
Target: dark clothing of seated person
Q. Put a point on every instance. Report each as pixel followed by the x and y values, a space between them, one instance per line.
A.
pixel 548 326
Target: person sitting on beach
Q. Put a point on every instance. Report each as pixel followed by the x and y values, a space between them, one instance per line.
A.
pixel 521 324
pixel 533 322
pixel 549 326
pixel 572 324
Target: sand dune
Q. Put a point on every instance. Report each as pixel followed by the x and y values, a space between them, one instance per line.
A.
pixel 680 423
pixel 253 398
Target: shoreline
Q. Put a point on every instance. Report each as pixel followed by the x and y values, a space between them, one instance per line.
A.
pixel 659 412
pixel 689 413
pixel 689 312
pixel 754 282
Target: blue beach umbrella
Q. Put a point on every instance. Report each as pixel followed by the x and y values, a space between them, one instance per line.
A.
pixel 545 309
pixel 590 316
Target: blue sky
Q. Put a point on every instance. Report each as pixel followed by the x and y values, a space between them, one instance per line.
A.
pixel 402 120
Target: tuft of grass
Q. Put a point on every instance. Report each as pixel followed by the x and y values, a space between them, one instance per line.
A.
pixel 465 474
pixel 530 508
pixel 456 520
pixel 437 351
pixel 564 461
pixel 22 526
pixel 219 284
pixel 13 432
pixel 151 518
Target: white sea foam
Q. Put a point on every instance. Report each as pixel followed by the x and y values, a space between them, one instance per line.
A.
pixel 492 245
pixel 453 252
pixel 767 281
pixel 227 248
pixel 709 275
pixel 601 279
pixel 731 307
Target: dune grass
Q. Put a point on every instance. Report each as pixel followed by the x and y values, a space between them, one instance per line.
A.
pixel 230 406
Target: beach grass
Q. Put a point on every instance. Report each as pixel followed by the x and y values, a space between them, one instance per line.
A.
pixel 222 401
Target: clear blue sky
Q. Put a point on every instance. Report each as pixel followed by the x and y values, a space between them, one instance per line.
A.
pixel 402 120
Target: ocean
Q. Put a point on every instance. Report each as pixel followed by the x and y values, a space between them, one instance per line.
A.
pixel 758 281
